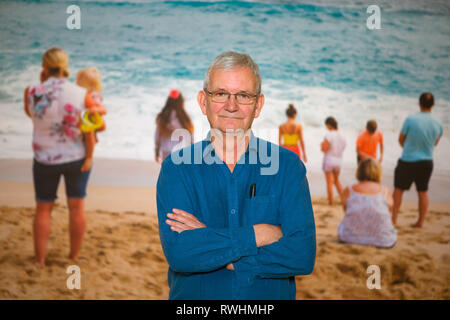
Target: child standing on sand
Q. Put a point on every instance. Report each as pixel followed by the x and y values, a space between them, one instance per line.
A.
pixel 332 146
pixel 172 117
pixel 368 141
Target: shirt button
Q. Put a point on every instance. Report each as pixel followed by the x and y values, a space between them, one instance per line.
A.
pixel 233 211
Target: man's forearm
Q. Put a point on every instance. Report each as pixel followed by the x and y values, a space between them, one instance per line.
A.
pixel 401 139
pixel 291 255
pixel 260 234
pixel 266 234
pixel 207 249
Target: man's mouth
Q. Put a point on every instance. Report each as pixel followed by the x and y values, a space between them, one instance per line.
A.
pixel 231 117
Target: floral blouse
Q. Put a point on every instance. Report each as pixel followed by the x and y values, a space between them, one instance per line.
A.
pixel 55 107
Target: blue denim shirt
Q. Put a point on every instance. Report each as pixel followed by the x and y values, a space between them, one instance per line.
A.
pixel 203 185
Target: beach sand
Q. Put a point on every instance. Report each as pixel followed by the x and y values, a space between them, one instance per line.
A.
pixel 122 257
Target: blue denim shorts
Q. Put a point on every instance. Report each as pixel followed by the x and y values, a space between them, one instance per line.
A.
pixel 46 180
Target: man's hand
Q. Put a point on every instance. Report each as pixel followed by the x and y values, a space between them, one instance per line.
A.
pixel 266 234
pixel 230 266
pixel 180 221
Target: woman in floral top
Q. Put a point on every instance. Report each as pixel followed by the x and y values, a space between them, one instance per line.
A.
pixel 55 106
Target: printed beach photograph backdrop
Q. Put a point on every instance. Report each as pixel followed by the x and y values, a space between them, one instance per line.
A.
pixel 319 55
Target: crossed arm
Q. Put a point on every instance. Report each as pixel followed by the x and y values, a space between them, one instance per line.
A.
pixel 180 220
pixel 261 250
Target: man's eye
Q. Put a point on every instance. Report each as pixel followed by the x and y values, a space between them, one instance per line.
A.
pixel 220 94
pixel 243 96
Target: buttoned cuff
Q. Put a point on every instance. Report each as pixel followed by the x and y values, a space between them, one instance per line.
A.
pixel 244 241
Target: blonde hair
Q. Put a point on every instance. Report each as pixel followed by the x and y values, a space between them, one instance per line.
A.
pixel 369 170
pixel 56 61
pixel 89 78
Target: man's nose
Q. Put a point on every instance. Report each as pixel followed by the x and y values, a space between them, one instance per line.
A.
pixel 231 104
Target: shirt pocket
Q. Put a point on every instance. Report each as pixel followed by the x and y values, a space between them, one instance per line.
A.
pixel 261 209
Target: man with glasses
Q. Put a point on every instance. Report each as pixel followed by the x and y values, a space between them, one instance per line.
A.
pixel 229 229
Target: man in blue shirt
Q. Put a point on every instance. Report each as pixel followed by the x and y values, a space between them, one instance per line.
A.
pixel 418 137
pixel 234 211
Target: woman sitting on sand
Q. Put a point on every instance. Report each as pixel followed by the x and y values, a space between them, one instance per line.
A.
pixel 55 106
pixel 172 117
pixel 367 208
pixel 290 134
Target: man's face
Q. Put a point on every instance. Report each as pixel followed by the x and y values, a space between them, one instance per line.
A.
pixel 230 115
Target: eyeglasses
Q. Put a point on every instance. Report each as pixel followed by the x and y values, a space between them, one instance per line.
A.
pixel 240 97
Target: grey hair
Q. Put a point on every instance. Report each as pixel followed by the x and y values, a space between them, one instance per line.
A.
pixel 229 60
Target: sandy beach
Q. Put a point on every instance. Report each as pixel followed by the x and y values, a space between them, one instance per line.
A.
pixel 122 258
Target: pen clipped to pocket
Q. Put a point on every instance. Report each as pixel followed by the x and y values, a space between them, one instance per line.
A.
pixel 253 190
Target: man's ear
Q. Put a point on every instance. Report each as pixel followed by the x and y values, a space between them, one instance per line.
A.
pixel 201 99
pixel 259 105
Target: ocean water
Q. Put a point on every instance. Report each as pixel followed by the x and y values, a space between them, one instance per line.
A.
pixel 319 55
